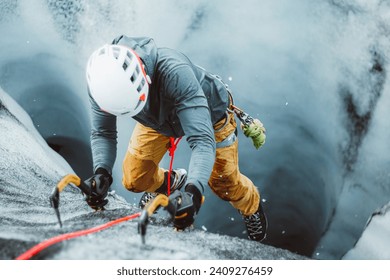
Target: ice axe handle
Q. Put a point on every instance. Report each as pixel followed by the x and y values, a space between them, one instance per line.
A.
pixel 171 208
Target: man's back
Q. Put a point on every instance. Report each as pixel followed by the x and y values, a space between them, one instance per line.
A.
pixel 177 84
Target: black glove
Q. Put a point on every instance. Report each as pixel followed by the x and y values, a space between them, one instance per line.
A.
pixel 187 204
pixel 99 185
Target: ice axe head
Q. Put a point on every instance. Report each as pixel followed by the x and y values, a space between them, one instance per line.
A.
pixel 159 201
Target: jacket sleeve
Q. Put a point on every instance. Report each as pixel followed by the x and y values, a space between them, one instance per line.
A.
pixel 103 137
pixel 195 119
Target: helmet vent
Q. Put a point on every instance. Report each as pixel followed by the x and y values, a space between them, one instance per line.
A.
pixel 133 77
pixel 125 65
pixel 115 52
pixel 139 103
pixel 129 55
pixel 141 85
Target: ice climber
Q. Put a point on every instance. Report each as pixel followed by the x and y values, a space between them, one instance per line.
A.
pixel 169 97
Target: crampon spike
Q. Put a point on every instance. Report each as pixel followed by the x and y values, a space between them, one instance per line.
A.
pixel 55 201
pixel 159 201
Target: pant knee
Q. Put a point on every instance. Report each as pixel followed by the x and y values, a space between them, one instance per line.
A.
pixel 141 175
pixel 227 187
pixel 238 190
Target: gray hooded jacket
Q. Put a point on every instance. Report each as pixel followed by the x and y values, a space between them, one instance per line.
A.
pixel 184 99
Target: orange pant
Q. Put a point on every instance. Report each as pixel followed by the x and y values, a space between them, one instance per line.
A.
pixel 141 171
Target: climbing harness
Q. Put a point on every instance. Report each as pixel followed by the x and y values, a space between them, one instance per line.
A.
pixel 228 140
pixel 244 117
pixel 252 128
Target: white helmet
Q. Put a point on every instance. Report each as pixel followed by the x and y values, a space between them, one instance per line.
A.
pixel 117 80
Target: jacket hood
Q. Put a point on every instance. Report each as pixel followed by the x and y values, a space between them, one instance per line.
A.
pixel 144 47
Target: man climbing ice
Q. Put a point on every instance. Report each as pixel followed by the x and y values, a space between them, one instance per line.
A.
pixel 169 97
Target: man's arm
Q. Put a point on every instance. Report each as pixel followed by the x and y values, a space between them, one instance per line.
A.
pixel 196 123
pixel 195 118
pixel 103 138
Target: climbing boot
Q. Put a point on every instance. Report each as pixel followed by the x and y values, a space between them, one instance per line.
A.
pixel 178 179
pixel 256 224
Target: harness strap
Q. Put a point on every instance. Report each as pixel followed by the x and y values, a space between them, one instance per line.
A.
pixel 172 148
pixel 228 140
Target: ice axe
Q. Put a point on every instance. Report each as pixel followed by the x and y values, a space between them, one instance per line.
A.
pixel 160 200
pixel 65 181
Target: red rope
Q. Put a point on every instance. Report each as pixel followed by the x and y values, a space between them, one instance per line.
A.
pixel 172 148
pixel 47 243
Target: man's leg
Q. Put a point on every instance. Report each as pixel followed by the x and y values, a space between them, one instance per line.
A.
pixel 229 184
pixel 141 171
pixel 226 180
